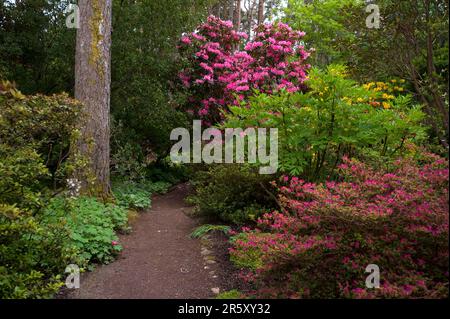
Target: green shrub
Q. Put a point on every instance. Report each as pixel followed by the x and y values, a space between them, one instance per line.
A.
pixel 129 159
pixel 159 187
pixel 44 125
pixel 137 195
pixel 335 117
pixel 169 172
pixel 22 172
pixel 35 141
pixel 91 225
pixel 31 255
pixel 127 162
pixel 130 195
pixel 234 193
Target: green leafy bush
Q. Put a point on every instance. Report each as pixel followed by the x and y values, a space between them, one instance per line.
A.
pixel 130 195
pixel 31 255
pixel 127 160
pixel 41 235
pixel 169 172
pixel 91 226
pixel 234 193
pixel 137 195
pixel 335 117
pixel 22 172
pixel 159 187
pixel 35 138
pixel 45 125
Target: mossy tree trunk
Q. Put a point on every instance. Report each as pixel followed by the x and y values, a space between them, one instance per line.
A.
pixel 92 87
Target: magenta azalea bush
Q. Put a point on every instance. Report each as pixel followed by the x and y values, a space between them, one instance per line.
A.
pixel 321 242
pixel 223 71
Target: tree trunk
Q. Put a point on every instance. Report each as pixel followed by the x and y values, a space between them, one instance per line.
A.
pixel 261 12
pixel 237 15
pixel 92 88
pixel 230 9
pixel 250 14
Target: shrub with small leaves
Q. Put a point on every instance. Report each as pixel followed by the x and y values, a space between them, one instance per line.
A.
pixel 31 254
pixel 232 192
pixel 321 243
pixel 35 143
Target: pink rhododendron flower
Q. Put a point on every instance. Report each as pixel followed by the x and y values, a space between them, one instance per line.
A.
pixel 280 59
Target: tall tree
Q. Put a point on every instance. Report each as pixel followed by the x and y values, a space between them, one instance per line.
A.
pixel 248 23
pixel 230 9
pixel 92 87
pixel 260 12
pixel 237 15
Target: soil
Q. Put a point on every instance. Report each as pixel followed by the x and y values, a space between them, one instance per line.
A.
pixel 161 260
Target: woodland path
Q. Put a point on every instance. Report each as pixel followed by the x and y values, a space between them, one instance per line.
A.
pixel 159 259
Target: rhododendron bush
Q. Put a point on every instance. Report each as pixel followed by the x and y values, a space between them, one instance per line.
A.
pixel 320 244
pixel 222 71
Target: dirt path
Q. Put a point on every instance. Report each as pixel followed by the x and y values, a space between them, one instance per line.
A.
pixel 159 259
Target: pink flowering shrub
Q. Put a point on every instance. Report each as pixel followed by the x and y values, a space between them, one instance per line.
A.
pixel 219 74
pixel 320 244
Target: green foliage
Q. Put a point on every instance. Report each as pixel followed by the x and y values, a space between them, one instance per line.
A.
pixel 336 116
pixel 38 50
pixel 253 256
pixel 231 294
pixel 145 64
pixel 201 231
pixel 159 187
pixel 31 254
pixel 133 162
pixel 137 195
pixel 411 43
pixel 91 225
pixel 130 195
pixel 39 235
pixel 170 173
pixel 127 159
pixel 325 25
pixel 36 134
pixel 21 171
pixel 234 193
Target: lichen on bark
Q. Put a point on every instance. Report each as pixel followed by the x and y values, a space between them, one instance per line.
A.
pixel 95 26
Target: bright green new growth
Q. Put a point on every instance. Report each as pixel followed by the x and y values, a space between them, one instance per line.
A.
pixel 335 117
